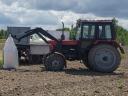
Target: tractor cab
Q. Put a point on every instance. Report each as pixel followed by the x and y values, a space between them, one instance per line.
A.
pixel 95 30
pixel 92 32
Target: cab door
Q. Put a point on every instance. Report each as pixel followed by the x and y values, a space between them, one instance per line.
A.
pixel 88 36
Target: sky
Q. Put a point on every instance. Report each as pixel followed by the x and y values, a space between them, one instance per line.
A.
pixel 50 13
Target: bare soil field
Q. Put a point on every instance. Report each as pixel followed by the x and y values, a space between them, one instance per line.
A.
pixel 75 80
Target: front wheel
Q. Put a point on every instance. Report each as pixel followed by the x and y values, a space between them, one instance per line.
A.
pixel 104 58
pixel 55 62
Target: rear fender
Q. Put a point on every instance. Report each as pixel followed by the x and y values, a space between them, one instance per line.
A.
pixel 111 42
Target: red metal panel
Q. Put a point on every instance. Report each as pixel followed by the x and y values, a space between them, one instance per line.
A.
pixel 70 42
pixel 65 42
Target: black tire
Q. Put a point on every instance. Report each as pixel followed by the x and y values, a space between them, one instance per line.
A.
pixel 104 58
pixel 54 62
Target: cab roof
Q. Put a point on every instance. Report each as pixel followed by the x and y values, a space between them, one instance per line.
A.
pixel 94 21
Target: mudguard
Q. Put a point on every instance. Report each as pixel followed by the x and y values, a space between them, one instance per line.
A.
pixel 110 42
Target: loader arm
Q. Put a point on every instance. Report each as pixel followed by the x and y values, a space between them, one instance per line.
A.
pixel 39 31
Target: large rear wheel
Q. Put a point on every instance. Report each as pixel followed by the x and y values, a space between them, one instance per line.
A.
pixel 55 62
pixel 104 58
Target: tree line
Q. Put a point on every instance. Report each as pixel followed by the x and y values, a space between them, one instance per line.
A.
pixel 3 34
pixel 122 35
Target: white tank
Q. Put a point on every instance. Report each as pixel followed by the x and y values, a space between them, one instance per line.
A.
pixel 10 54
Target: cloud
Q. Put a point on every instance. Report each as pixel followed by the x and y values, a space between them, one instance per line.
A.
pixel 8 2
pixel 109 8
pixel 106 8
pixel 33 17
pixel 5 19
pixel 52 12
pixel 15 15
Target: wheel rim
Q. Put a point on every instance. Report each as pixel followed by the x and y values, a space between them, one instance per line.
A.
pixel 55 63
pixel 104 58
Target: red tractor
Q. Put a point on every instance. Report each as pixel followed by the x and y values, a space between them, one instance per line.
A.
pixel 95 44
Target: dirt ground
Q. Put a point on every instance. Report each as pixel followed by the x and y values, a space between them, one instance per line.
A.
pixel 76 80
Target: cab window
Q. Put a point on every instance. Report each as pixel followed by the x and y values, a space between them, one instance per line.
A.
pixel 105 32
pixel 89 31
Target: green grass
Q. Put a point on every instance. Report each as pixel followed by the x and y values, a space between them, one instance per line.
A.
pixel 1 59
pixel 1 64
pixel 123 56
pixel 2 40
pixel 1 55
pixel 120 83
